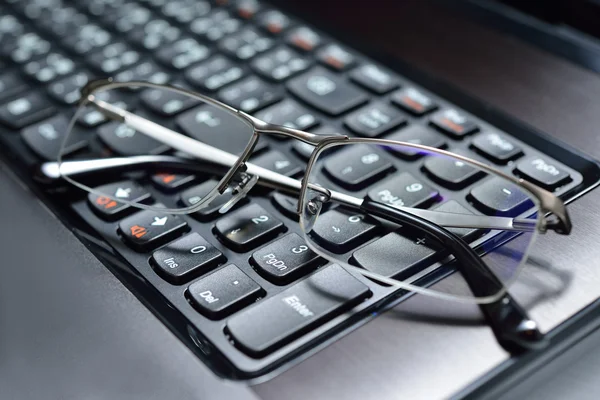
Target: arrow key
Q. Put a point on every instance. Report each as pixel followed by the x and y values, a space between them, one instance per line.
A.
pixel 109 209
pixel 147 230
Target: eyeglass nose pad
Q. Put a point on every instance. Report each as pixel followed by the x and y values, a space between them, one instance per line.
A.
pixel 240 191
pixel 311 211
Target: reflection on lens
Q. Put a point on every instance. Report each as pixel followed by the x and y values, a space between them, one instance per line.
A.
pixel 180 112
pixel 475 206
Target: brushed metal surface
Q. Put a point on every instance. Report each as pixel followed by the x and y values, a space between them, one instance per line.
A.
pixel 423 348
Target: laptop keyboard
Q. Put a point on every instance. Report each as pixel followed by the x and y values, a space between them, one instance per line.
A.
pixel 237 288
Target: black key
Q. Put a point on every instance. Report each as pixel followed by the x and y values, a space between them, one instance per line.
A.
pixel 248 227
pixel 194 194
pixel 214 74
pixel 48 68
pixel 278 162
pixel 185 11
pixel 146 72
pixel 109 209
pixel 245 44
pixel 223 292
pixel 217 128
pixel 453 123
pixel 336 57
pixel 125 140
pixel 542 172
pixel 126 17
pixel 286 204
pixel 358 166
pixel 288 113
pixel 68 90
pixel 374 120
pixel 182 54
pixel 451 172
pixel 25 48
pixel 416 134
pixel 147 230
pixel 341 230
pixel 454 207
pixel 304 150
pixel 10 84
pixel 169 183
pixel 25 110
pixel 113 58
pixel 286 259
pixel 413 101
pixel 186 258
pixel 247 9
pixel 46 138
pixel 167 102
pixel 215 25
pixel 86 39
pixel 496 148
pixel 277 320
pixel 250 94
pixel 155 34
pixel 274 22
pixel 280 64
pixel 497 196
pixel 304 38
pixel 374 78
pixel 397 255
pixel 92 117
pixel 326 91
pixel 403 190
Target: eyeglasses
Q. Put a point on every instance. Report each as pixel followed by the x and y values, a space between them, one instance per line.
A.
pixel 343 176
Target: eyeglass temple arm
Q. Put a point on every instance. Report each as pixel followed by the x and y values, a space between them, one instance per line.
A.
pixel 512 327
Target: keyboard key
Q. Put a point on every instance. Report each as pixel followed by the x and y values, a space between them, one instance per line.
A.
pixel 215 25
pixel 250 94
pixel 48 68
pixel 304 39
pixel 397 255
pixel 127 17
pixel 340 230
pixel 416 134
pixel 68 90
pixel 542 172
pixel 25 48
pixel 285 260
pixel 167 102
pixel 185 11
pixel 217 128
pixel 186 258
pixel 247 9
pixel 91 117
pixel 245 44
pixel 168 182
pixel 374 78
pixel 147 230
pixel 336 57
pixel 194 194
pixel 146 71
pixel 86 39
pixel 278 320
pixel 214 74
pixel 374 120
pixel 278 162
pixel 413 101
pixel 288 113
pixel 403 190
pixel 11 84
pixel 26 109
pixel 155 34
pixel 223 292
pixel 358 166
pixel 46 138
pixel 126 141
pixel 109 209
pixel 326 91
pixel 280 64
pixel 182 54
pixel 274 22
pixel 286 204
pixel 453 123
pixel 496 148
pixel 113 58
pixel 248 228
pixel 497 196
pixel 450 172
pixel 304 150
pixel 453 206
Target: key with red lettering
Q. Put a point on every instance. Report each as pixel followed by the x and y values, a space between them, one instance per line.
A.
pixel 110 209
pixel 147 230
